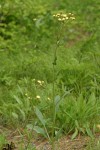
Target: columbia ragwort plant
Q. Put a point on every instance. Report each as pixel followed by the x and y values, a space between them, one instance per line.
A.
pixel 62 18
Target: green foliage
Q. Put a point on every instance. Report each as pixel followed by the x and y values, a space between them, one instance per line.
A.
pixel 93 145
pixel 28 37
pixel 77 114
pixel 2 140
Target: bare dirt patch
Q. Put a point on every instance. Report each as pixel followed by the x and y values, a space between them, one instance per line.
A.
pixel 65 143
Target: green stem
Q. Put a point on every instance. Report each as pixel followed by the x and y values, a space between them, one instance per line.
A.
pixel 47 133
pixel 53 113
pixel 54 110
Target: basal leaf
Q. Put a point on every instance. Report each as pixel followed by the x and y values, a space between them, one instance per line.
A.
pixel 74 134
pixel 40 116
pixel 40 131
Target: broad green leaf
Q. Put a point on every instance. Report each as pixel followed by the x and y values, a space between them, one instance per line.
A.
pixel 58 99
pixel 15 115
pixel 23 114
pixel 89 132
pixel 74 134
pixel 40 116
pixel 77 124
pixel 29 126
pixel 27 105
pixel 82 130
pixel 40 131
pixel 57 102
pixel 18 100
pixel 20 89
pixel 58 133
pixel 92 99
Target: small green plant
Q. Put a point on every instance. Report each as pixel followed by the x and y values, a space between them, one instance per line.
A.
pixel 2 140
pixel 29 136
pixel 93 145
pixel 77 114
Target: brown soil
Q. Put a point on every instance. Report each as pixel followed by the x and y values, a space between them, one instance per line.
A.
pixel 65 143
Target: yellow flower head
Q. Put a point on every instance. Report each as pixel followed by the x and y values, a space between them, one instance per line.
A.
pixel 63 16
pixel 38 97
pixel 39 81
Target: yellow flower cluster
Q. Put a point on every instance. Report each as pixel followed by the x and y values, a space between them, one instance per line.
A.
pixel 40 82
pixel 28 96
pixel 64 17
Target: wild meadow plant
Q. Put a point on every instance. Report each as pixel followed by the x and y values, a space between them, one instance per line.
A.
pixel 62 18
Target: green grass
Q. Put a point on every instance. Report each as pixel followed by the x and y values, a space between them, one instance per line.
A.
pixel 26 53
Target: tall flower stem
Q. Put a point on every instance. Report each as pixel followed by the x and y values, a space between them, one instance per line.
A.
pixel 54 111
pixel 62 18
pixel 53 104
